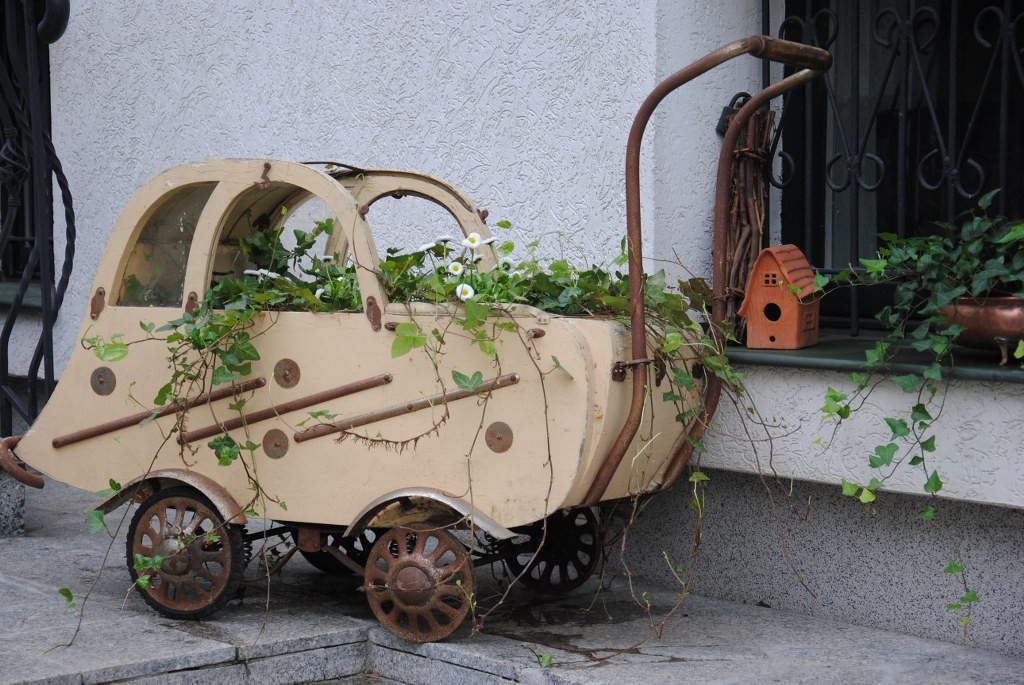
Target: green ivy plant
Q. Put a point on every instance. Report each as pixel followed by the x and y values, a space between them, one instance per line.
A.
pixel 215 344
pixel 981 256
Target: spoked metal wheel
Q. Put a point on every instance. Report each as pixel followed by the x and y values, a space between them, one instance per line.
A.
pixel 357 549
pixel 185 561
pixel 569 555
pixel 419 582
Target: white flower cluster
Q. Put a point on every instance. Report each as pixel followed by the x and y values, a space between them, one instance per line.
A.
pixel 261 273
pixel 457 268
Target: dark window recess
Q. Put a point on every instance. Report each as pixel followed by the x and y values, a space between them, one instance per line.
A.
pixel 17 229
pixel 920 115
pixel 29 172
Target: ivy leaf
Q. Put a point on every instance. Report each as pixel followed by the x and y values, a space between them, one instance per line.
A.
pixel 933 484
pixel 222 376
pixel 866 496
pixel 409 336
pixel 908 382
pixel 468 383
pixel 698 477
pixel 850 489
pixel 69 599
pixel 920 413
pixel 94 517
pixel 927 514
pixel 898 427
pixel 476 314
pixel 111 351
pixel 970 596
pixel 559 367
pixel 504 223
pixel 953 568
pixel 933 372
pixel 883 455
pixel 164 394
pixel 113 489
pixel 929 444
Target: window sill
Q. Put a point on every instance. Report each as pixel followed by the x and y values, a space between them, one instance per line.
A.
pixel 837 351
pixel 33 296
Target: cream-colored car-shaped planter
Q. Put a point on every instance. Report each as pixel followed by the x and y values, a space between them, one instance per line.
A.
pixel 399 457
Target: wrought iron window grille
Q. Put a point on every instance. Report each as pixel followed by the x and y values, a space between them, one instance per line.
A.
pixel 919 116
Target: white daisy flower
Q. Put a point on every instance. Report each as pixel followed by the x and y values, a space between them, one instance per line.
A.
pixel 488 241
pixel 444 239
pixel 271 274
pixel 326 258
pixel 455 268
pixel 426 246
pixel 318 293
pixel 517 274
pixel 254 272
pixel 477 258
pixel 472 241
pixel 464 291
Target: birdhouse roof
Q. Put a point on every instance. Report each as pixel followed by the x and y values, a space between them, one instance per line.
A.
pixel 794 269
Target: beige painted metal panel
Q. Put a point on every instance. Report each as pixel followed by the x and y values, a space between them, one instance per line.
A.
pixel 527 449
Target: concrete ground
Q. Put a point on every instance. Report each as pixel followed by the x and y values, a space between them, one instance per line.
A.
pixel 310 627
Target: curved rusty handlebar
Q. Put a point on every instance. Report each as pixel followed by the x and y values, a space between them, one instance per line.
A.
pixel 789 53
pixel 814 62
pixel 13 469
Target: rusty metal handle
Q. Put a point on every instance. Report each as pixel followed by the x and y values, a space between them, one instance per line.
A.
pixel 13 469
pixel 790 53
pixel 761 46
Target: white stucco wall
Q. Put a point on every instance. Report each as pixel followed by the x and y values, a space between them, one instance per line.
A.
pixel 524 105
pixel 979 435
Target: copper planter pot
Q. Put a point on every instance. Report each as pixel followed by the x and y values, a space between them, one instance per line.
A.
pixel 991 323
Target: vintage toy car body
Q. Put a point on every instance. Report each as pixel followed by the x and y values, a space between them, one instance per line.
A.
pixel 398 453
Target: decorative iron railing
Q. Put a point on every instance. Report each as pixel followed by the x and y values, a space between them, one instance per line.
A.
pixel 920 115
pixel 28 168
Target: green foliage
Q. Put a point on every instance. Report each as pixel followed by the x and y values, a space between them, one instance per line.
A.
pixel 468 383
pixel 980 256
pixel 108 351
pixel 94 517
pixel 69 599
pixel 144 566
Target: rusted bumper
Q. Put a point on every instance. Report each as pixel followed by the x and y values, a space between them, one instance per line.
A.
pixel 13 468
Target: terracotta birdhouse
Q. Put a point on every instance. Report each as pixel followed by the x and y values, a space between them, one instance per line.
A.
pixel 778 307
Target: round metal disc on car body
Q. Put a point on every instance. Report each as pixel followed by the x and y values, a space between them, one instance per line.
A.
pixel 275 443
pixel 103 381
pixel 498 437
pixel 287 373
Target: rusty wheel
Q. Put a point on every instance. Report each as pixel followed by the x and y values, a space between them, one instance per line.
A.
pixel 419 582
pixel 569 555
pixel 357 549
pixel 185 561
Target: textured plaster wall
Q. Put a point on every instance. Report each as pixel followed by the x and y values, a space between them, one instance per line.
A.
pixel 523 105
pixel 979 435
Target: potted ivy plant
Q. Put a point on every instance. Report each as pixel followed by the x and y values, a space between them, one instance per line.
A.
pixel 964 283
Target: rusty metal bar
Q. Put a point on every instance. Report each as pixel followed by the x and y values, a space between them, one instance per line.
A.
pixel 713 388
pixel 760 46
pixel 13 469
pixel 405 408
pixel 135 419
pixel 284 408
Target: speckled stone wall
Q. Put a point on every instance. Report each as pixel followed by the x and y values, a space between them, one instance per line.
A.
pixel 12 506
pixel 802 547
